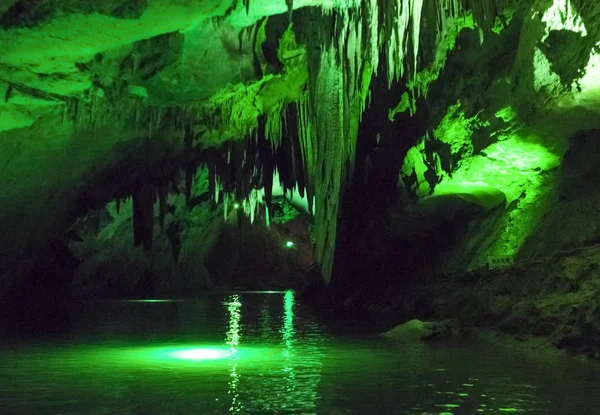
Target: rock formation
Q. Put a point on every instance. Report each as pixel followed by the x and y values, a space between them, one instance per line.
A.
pixel 420 138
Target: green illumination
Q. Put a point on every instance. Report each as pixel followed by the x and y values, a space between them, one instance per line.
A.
pixel 562 16
pixel 288 341
pixel 234 308
pixel 289 244
pixel 267 219
pixel 508 166
pixel 265 320
pixel 521 155
pixel 236 206
pixel 176 356
pixel 288 319
pixel 149 301
pixel 288 211
pixel 544 78
pixel 403 106
pixel 414 164
pixel 448 405
pixel 512 167
pixel 506 171
pixel 456 130
pixel 507 114
pixel 182 356
pixel 507 16
pixel 450 30
pixel 586 92
pixel 198 353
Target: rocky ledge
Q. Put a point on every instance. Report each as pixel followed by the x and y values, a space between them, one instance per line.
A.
pixel 536 305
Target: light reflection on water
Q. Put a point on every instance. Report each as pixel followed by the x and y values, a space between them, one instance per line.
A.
pixel 234 306
pixel 266 354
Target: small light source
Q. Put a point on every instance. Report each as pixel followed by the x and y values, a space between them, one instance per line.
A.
pixel 236 206
pixel 289 244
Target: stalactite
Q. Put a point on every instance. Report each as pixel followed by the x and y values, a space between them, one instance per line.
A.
pixel 211 176
pixel 402 30
pixel 190 171
pixel 218 189
pixel 327 119
pixel 484 14
pixel 448 10
pixel 268 169
pixel 307 145
pixel 417 9
pixel 144 196
pixel 147 211
pixel 239 175
pixel 292 152
pixel 175 187
pixel 190 167
pixel 274 124
pixel 372 20
pixel 290 5
pixel 393 27
pixel 162 203
pixel 330 116
pixel 260 36
pixel 137 218
pixel 318 159
pixel 120 112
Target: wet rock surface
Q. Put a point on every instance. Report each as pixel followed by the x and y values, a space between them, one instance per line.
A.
pixel 551 302
pixel 417 330
pixel 547 297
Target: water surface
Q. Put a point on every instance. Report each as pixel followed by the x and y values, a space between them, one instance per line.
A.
pixel 266 354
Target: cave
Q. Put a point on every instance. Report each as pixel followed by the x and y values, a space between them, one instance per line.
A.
pixel 300 206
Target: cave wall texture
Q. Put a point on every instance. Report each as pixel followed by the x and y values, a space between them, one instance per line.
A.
pixel 424 136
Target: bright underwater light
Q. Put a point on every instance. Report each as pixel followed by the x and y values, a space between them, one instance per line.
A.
pixel 150 301
pixel 198 353
pixel 289 244
pixel 186 355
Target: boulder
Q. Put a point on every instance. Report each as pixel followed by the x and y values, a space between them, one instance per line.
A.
pixel 414 331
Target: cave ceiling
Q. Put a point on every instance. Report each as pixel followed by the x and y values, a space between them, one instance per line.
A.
pixel 164 51
pixel 497 88
pixel 182 52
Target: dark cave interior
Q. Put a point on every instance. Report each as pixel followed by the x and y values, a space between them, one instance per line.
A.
pixel 385 160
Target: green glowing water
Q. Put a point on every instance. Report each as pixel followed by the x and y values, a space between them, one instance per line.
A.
pixel 265 354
